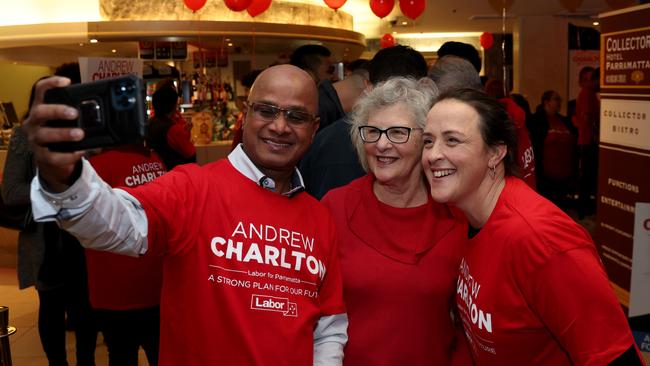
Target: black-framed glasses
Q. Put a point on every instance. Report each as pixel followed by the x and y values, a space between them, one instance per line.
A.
pixel 397 134
pixel 269 112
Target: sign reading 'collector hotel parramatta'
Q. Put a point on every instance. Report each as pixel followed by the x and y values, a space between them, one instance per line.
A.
pixel 627 58
pixel 624 154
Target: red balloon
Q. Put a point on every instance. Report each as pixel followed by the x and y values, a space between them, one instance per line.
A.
pixel 412 8
pixel 387 40
pixel 194 5
pixel 382 8
pixel 335 4
pixel 237 5
pixel 487 40
pixel 257 7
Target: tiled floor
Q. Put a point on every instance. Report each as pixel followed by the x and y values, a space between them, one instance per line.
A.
pixel 23 313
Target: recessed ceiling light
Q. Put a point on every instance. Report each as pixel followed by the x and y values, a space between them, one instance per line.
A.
pixel 229 44
pixel 596 23
pixel 81 44
pixel 113 50
pixel 93 40
pixel 405 23
pixel 227 39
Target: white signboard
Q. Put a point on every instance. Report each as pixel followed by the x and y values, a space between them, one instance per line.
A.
pixel 640 287
pixel 625 122
pixel 96 68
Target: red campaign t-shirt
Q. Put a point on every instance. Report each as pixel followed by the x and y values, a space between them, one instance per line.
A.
pixel 119 282
pixel 399 269
pixel 532 290
pixel 558 150
pixel 179 137
pixel 525 156
pixel 247 272
pixel 587 116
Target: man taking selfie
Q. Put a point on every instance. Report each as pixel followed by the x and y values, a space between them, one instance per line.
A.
pixel 250 274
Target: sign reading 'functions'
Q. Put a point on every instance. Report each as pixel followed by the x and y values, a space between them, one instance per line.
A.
pixel 626 58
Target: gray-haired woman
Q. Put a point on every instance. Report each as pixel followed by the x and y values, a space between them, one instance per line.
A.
pixel 399 250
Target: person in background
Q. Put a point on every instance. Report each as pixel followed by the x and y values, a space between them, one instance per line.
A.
pixel 587 121
pixel 399 250
pixel 247 82
pixel 531 288
pixel 332 160
pixel 314 59
pixel 525 156
pixel 522 102
pixel 242 284
pixel 336 100
pixel 462 50
pixel 554 144
pixel 453 72
pixel 352 66
pixel 125 291
pixel 49 258
pixel 168 133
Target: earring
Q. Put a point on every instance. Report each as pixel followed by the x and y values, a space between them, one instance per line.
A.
pixel 493 171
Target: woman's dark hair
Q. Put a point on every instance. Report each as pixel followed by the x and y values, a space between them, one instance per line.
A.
pixel 495 125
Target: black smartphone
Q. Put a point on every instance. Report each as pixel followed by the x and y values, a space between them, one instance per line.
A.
pixel 111 112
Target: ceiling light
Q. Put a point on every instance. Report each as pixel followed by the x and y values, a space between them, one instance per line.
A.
pixel 595 23
pixel 113 50
pixel 229 44
pixel 93 40
pixel 227 39
pixel 81 44
pixel 405 23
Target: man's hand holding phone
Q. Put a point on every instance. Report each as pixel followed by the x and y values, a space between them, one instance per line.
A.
pixel 56 169
pixel 66 119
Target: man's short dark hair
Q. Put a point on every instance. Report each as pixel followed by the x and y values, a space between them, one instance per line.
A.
pixel 396 61
pixel 164 100
pixel 308 57
pixel 69 70
pixel 462 50
pixel 358 63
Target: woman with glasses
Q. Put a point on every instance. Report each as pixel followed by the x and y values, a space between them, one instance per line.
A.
pixel 399 250
pixel 531 288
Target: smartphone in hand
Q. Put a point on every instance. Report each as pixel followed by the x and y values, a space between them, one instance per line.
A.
pixel 111 112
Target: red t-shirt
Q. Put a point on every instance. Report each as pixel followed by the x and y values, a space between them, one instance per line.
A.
pixel 247 272
pixel 558 150
pixel 532 290
pixel 119 282
pixel 525 156
pixel 399 269
pixel 179 137
pixel 587 116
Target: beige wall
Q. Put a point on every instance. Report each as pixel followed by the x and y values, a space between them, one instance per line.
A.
pixel 540 49
pixel 16 82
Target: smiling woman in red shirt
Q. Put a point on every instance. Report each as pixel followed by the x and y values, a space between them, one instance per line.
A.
pixel 399 249
pixel 531 288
